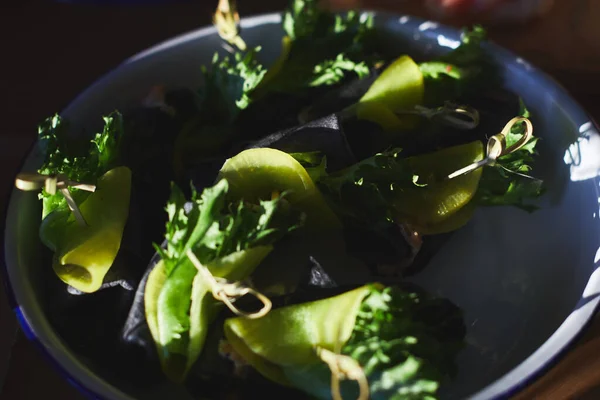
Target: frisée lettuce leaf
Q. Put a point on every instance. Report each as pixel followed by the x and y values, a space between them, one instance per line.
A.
pixel 77 159
pixel 464 71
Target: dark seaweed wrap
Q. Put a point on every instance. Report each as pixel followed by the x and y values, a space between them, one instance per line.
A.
pixel 325 135
pixel 339 98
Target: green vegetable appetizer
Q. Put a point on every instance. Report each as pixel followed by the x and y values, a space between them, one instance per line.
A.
pixel 402 342
pixel 229 239
pixel 416 190
pixel 83 253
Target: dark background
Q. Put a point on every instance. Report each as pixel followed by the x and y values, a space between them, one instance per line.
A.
pixel 50 51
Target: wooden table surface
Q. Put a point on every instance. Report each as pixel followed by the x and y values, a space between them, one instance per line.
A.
pixel 51 51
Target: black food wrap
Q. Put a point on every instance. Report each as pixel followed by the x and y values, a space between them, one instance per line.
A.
pixel 325 135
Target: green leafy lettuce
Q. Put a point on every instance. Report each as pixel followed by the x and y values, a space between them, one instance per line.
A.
pixel 77 159
pixel 406 342
pixel 365 191
pixel 368 189
pixel 228 83
pixel 466 70
pixel 363 194
pixel 213 228
pixel 508 181
pixel 323 48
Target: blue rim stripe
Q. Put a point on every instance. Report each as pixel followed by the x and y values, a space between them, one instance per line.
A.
pixel 29 334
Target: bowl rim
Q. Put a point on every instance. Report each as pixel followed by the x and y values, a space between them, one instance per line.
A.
pixel 524 374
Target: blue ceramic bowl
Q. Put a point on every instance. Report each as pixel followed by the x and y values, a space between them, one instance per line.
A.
pixel 527 283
